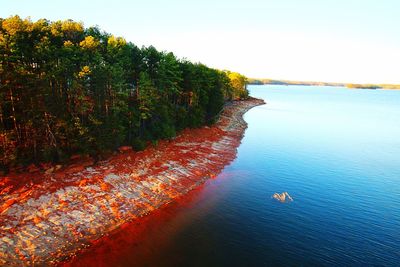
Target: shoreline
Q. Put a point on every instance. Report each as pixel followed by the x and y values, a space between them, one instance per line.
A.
pixel 60 213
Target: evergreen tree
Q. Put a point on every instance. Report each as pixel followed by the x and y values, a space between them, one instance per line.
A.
pixel 65 89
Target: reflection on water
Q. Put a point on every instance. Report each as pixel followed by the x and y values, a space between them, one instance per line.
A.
pixel 335 150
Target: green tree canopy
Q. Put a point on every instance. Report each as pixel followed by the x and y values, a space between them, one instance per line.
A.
pixel 66 90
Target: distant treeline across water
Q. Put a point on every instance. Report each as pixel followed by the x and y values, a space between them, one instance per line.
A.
pixel 348 85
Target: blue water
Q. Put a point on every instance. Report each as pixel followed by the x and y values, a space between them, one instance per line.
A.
pixel 335 150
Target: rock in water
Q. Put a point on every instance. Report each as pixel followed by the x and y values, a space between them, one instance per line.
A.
pixel 282 197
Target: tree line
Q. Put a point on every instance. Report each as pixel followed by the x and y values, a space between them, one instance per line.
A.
pixel 67 89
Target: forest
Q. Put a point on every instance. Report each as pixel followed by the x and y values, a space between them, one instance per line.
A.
pixel 67 90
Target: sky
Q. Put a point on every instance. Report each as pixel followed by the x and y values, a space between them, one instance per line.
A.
pixel 351 41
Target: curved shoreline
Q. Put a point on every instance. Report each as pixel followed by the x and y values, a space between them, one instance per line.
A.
pixel 52 219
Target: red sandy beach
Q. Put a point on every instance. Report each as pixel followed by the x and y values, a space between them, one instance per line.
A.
pixel 47 217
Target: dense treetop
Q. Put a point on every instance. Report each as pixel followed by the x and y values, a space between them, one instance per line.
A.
pixel 67 89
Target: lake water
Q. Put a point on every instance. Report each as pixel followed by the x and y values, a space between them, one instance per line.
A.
pixel 336 151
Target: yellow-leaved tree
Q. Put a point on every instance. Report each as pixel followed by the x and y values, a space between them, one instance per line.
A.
pixel 239 85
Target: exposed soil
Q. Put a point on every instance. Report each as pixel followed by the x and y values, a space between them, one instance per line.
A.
pixel 47 217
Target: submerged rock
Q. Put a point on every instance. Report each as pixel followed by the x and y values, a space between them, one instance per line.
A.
pixel 282 197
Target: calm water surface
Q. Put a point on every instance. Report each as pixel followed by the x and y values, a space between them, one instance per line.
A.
pixel 336 151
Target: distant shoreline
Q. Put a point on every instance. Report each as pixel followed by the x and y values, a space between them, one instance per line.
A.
pixel 302 83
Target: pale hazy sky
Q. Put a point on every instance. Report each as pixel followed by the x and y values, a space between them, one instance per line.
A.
pixel 324 40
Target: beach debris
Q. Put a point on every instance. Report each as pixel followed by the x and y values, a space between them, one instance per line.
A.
pixel 49 171
pixel 282 197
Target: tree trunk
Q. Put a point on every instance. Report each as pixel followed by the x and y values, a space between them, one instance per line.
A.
pixel 14 115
